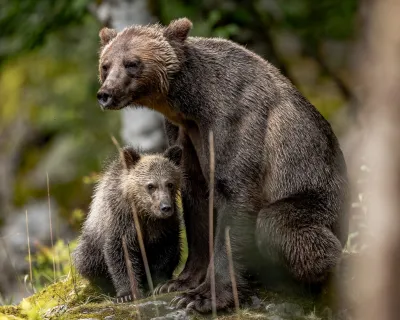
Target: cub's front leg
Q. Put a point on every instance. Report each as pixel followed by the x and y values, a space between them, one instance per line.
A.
pixel 117 267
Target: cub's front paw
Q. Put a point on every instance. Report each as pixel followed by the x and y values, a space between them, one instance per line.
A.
pixel 123 299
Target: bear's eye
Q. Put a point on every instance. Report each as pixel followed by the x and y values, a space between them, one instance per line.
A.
pixel 132 66
pixel 170 185
pixel 151 187
pixel 104 67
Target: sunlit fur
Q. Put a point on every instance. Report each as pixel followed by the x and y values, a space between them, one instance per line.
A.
pixel 155 170
pixel 159 60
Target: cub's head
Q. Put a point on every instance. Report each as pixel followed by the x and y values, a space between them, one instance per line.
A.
pixel 137 63
pixel 152 181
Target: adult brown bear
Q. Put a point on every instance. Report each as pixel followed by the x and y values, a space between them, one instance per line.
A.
pixel 280 176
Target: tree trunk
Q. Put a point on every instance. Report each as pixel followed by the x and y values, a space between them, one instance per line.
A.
pixel 378 281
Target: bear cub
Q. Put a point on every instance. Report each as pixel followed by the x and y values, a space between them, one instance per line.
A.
pixel 149 183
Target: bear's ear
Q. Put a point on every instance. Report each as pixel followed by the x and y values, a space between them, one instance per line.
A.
pixel 174 154
pixel 106 35
pixel 178 29
pixel 129 157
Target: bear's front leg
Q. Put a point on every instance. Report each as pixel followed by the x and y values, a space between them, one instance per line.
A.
pixel 89 261
pixel 241 230
pixel 195 210
pixel 116 263
pixel 200 299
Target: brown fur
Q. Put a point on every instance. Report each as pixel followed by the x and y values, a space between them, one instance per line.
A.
pixel 280 176
pixel 152 82
pixel 106 35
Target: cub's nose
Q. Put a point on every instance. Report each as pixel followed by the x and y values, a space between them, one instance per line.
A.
pixel 104 98
pixel 165 208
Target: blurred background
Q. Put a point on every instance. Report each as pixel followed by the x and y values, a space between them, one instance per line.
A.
pixel 54 138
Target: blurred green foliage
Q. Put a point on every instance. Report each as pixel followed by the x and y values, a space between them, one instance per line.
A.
pixel 318 20
pixel 52 88
pixel 25 24
pixel 51 264
pixel 48 81
pixel 313 20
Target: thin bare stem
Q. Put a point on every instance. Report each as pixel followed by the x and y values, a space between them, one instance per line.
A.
pixel 132 279
pixel 29 248
pixel 119 150
pixel 143 252
pixel 139 233
pixel 58 262
pixel 51 227
pixel 211 224
pixel 231 269
pixel 72 271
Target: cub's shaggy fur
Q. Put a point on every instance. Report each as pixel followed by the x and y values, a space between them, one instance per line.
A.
pixel 150 184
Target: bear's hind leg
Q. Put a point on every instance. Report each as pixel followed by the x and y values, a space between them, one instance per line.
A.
pixel 296 233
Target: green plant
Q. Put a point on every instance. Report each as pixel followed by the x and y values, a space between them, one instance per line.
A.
pixel 51 264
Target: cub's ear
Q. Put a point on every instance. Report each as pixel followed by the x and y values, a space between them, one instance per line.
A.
pixel 174 154
pixel 129 157
pixel 106 35
pixel 178 29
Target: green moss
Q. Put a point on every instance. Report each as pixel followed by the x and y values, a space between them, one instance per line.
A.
pixel 70 292
pixel 93 310
pixel 74 299
pixel 10 312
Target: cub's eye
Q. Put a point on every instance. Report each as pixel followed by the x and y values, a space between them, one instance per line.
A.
pixel 132 66
pixel 170 185
pixel 104 67
pixel 151 187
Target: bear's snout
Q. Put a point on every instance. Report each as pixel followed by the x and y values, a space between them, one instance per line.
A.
pixel 165 208
pixel 104 98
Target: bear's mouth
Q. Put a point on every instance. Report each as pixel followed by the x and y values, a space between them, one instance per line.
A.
pixel 162 215
pixel 111 108
pixel 116 105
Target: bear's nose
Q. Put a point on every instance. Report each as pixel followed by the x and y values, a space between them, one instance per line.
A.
pixel 104 98
pixel 165 208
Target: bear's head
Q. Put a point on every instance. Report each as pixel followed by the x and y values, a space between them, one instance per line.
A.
pixel 136 64
pixel 152 181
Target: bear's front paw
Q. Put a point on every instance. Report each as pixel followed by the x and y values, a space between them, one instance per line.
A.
pixel 175 285
pixel 123 299
pixel 200 300
pixel 187 280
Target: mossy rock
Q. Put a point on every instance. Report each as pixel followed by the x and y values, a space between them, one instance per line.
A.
pixel 69 292
pixel 74 298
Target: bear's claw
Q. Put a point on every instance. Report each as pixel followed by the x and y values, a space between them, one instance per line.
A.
pixel 123 299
